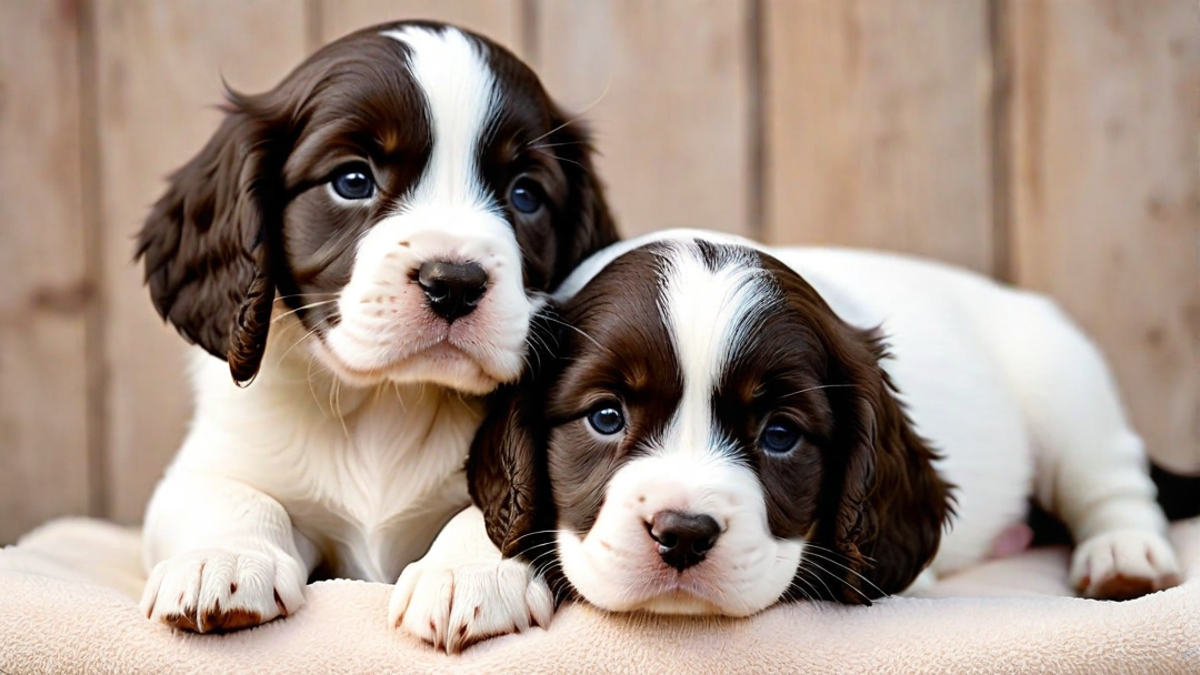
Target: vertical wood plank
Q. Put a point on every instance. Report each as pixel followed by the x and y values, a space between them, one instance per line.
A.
pixel 878 123
pixel 159 69
pixel 1106 193
pixel 500 20
pixel 43 371
pixel 673 122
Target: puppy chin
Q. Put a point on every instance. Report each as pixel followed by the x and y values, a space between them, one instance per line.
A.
pixel 447 366
pixel 680 603
pixel 626 581
pixel 441 364
pixel 416 347
pixel 618 579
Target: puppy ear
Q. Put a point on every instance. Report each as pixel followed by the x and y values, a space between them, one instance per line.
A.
pixel 887 522
pixel 506 469
pixel 205 244
pixel 594 227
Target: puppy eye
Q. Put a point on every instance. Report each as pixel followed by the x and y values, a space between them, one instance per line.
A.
pixel 606 420
pixel 354 182
pixel 525 195
pixel 779 437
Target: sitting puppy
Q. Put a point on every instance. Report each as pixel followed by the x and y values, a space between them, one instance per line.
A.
pixel 721 427
pixel 358 253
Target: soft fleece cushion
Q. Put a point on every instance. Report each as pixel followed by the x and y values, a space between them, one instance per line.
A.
pixel 67 605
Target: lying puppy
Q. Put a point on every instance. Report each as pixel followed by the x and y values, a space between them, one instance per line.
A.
pixel 722 427
pixel 367 243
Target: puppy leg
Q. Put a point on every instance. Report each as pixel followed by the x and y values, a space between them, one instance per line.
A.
pixel 1091 466
pixel 463 591
pixel 222 555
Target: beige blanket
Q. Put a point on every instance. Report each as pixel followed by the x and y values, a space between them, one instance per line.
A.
pixel 67 606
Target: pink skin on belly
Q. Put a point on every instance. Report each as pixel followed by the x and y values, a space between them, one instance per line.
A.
pixel 1012 540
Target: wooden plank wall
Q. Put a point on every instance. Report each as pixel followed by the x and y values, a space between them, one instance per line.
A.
pixel 1048 142
pixel 44 461
pixel 1104 192
pixel 878 126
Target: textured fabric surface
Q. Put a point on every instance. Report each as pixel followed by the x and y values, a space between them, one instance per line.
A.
pixel 67 606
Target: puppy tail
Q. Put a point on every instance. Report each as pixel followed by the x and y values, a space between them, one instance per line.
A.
pixel 1178 493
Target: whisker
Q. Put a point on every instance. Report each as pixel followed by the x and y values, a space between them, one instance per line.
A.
pixel 581 332
pixel 865 580
pixel 537 532
pixel 535 547
pixel 821 578
pixel 848 584
pixel 544 555
pixel 317 294
pixel 578 116
pixel 341 418
pixel 561 159
pixel 811 597
pixel 817 388
pixel 308 376
pixel 301 309
pixel 539 146
pixel 829 551
pixel 302 339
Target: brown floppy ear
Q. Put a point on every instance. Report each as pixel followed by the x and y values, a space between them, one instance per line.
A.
pixel 506 469
pixel 591 226
pixel 888 507
pixel 205 243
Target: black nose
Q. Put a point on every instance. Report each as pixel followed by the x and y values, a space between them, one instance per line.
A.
pixel 453 289
pixel 683 538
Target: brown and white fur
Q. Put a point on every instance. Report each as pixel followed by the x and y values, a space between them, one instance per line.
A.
pixel 719 427
pixel 358 254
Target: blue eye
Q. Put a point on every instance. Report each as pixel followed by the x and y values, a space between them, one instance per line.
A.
pixel 779 437
pixel 525 196
pixel 606 420
pixel 354 183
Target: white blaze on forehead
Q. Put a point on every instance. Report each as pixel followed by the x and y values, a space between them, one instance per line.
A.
pixel 709 314
pixel 588 269
pixel 460 90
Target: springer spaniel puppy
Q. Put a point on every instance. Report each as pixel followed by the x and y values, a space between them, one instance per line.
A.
pixel 721 427
pixel 358 254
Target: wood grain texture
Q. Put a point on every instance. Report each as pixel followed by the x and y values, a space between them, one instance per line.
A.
pixel 159 67
pixel 673 121
pixel 43 300
pixel 878 124
pixel 1106 193
pixel 500 20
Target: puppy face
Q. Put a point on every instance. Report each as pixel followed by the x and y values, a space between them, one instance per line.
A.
pixel 714 440
pixel 407 193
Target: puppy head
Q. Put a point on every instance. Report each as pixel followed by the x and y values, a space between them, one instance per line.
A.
pixel 708 438
pixel 408 193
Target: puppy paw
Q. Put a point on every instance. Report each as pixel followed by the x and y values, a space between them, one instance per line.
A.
pixel 452 607
pixel 216 591
pixel 1123 564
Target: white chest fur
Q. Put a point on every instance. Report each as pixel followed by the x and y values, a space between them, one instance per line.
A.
pixel 367 475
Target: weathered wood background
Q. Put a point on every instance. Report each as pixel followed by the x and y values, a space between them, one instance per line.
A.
pixel 1051 143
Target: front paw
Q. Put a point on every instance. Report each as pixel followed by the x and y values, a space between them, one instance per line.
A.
pixel 1123 564
pixel 455 607
pixel 216 590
